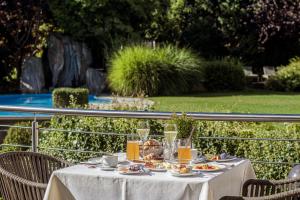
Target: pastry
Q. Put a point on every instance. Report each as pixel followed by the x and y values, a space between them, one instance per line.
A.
pixel 152 150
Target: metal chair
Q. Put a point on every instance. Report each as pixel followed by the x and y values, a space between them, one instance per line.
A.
pixel 255 189
pixel 268 72
pixel 24 175
pixel 250 76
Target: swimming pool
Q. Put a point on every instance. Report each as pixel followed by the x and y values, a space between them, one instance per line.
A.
pixel 35 100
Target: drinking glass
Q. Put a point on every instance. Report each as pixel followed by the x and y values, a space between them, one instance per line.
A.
pixel 184 151
pixel 143 130
pixel 132 150
pixel 170 133
pixel 133 147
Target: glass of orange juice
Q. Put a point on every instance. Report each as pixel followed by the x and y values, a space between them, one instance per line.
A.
pixel 133 149
pixel 184 151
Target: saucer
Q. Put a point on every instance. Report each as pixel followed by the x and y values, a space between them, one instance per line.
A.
pixel 107 168
pixel 176 174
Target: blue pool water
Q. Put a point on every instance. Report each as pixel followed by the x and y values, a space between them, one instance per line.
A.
pixel 35 100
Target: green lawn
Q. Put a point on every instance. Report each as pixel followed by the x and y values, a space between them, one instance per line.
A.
pixel 240 102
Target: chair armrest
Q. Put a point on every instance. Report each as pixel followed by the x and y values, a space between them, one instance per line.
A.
pixel 278 196
pixel 22 180
pixel 258 187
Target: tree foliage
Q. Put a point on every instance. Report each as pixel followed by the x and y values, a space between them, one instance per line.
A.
pixel 103 24
pixel 277 17
pixel 20 33
pixel 259 32
pixel 277 24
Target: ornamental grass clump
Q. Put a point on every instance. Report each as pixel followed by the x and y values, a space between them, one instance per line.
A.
pixel 141 70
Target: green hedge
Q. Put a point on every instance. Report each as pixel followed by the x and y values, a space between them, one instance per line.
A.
pixel 287 78
pixel 224 74
pixel 64 97
pixel 141 70
pixel 274 151
pixel 18 136
pixel 89 141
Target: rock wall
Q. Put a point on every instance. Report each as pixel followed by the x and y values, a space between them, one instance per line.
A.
pixel 68 61
pixel 55 58
pixel 32 77
pixel 95 81
pixel 70 65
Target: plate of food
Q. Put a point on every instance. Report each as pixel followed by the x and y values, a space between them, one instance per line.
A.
pixel 155 167
pixel 139 162
pixel 223 157
pixel 182 170
pixel 208 167
pixel 134 169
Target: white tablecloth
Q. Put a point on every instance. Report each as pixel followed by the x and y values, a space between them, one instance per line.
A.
pixel 82 183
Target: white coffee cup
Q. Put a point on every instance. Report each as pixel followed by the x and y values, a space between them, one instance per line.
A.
pixel 111 161
pixel 194 153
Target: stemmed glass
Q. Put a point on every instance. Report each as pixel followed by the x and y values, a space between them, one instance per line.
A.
pixel 170 133
pixel 143 130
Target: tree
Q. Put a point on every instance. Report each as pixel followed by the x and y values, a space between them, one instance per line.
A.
pixel 260 32
pixel 20 34
pixel 103 24
pixel 278 26
pixel 199 24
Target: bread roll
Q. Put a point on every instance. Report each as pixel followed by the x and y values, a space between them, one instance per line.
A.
pixel 152 150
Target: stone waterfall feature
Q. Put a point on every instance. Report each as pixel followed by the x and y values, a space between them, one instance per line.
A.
pixel 70 65
pixel 56 58
pixel 32 77
pixel 68 61
pixel 95 81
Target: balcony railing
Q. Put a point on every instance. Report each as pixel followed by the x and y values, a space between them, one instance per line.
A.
pixel 142 115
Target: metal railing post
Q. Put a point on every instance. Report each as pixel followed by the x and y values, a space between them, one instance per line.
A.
pixel 35 135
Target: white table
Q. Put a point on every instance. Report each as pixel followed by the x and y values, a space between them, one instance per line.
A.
pixel 82 183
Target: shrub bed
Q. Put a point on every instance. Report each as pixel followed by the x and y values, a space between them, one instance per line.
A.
pixel 18 136
pixel 287 77
pixel 141 70
pixel 274 151
pixel 225 74
pixel 63 97
pixel 89 141
pixel 73 138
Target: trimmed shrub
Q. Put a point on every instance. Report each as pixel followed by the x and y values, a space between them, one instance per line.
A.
pixel 141 70
pixel 225 74
pixel 63 97
pixel 18 136
pixel 287 77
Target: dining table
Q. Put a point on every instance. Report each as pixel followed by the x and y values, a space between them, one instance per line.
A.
pixel 81 182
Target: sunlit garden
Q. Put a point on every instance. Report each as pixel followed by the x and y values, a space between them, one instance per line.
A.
pixel 175 99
